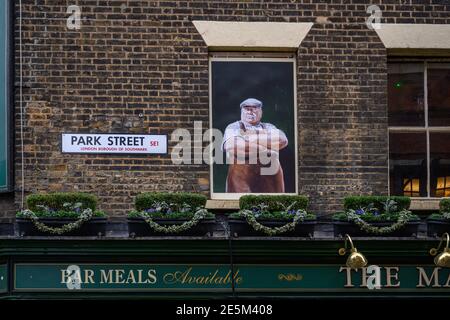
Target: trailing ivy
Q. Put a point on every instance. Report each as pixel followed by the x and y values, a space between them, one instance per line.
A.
pixel 278 215
pixel 403 218
pixel 299 216
pixel 171 216
pixel 262 211
pixel 393 217
pixel 196 218
pixel 70 210
pixel 386 211
pixel 83 217
pixel 176 210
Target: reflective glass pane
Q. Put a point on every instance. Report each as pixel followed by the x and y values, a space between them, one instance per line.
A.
pixel 440 164
pixel 439 95
pixel 406 94
pixel 411 187
pixel 408 164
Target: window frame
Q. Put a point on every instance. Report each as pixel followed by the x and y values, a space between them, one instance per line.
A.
pixel 426 128
pixel 253 57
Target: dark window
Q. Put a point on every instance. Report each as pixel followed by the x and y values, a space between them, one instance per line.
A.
pixel 408 163
pixel 438 95
pixel 440 164
pixel 405 94
pixel 419 129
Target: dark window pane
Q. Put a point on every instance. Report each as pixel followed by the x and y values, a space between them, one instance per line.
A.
pixel 407 164
pixel 405 94
pixel 440 164
pixel 438 96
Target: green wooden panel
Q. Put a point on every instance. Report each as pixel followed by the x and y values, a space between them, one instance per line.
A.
pixel 3 278
pixel 208 278
pixel 4 99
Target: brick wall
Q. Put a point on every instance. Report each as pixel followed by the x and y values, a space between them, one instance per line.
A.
pixel 146 57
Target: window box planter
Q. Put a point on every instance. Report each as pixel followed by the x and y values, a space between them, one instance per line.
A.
pixel 240 228
pixel 376 216
pixel 439 223
pixel 436 227
pixel 272 216
pixel 170 214
pixel 138 227
pixel 61 214
pixel 341 228
pixel 93 228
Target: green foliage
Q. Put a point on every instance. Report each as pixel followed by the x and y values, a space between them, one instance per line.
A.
pixel 343 216
pixel 381 203
pixel 40 203
pixel 444 205
pixel 147 200
pixel 436 216
pixel 340 216
pixel 277 215
pixel 174 215
pixel 442 215
pixel 61 214
pixel 273 203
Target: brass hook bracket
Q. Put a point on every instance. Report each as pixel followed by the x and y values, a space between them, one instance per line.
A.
pixel 434 251
pixel 342 251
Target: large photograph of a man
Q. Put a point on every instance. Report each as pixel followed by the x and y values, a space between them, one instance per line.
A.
pixel 253 104
pixel 249 137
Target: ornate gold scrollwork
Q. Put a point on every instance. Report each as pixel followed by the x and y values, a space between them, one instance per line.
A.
pixel 290 277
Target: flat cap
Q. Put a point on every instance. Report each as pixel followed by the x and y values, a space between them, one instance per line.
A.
pixel 251 102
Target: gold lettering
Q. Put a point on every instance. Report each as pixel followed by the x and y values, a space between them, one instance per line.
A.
pixel 392 273
pixel 151 276
pixel 131 278
pixel 447 284
pixel 106 277
pixel 89 276
pixel 199 280
pixel 140 276
pixel 349 276
pixel 171 278
pixel 424 278
pixel 238 279
pixel 119 276
pixel 185 277
pixel 213 277
pixel 364 277
pixel 64 276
